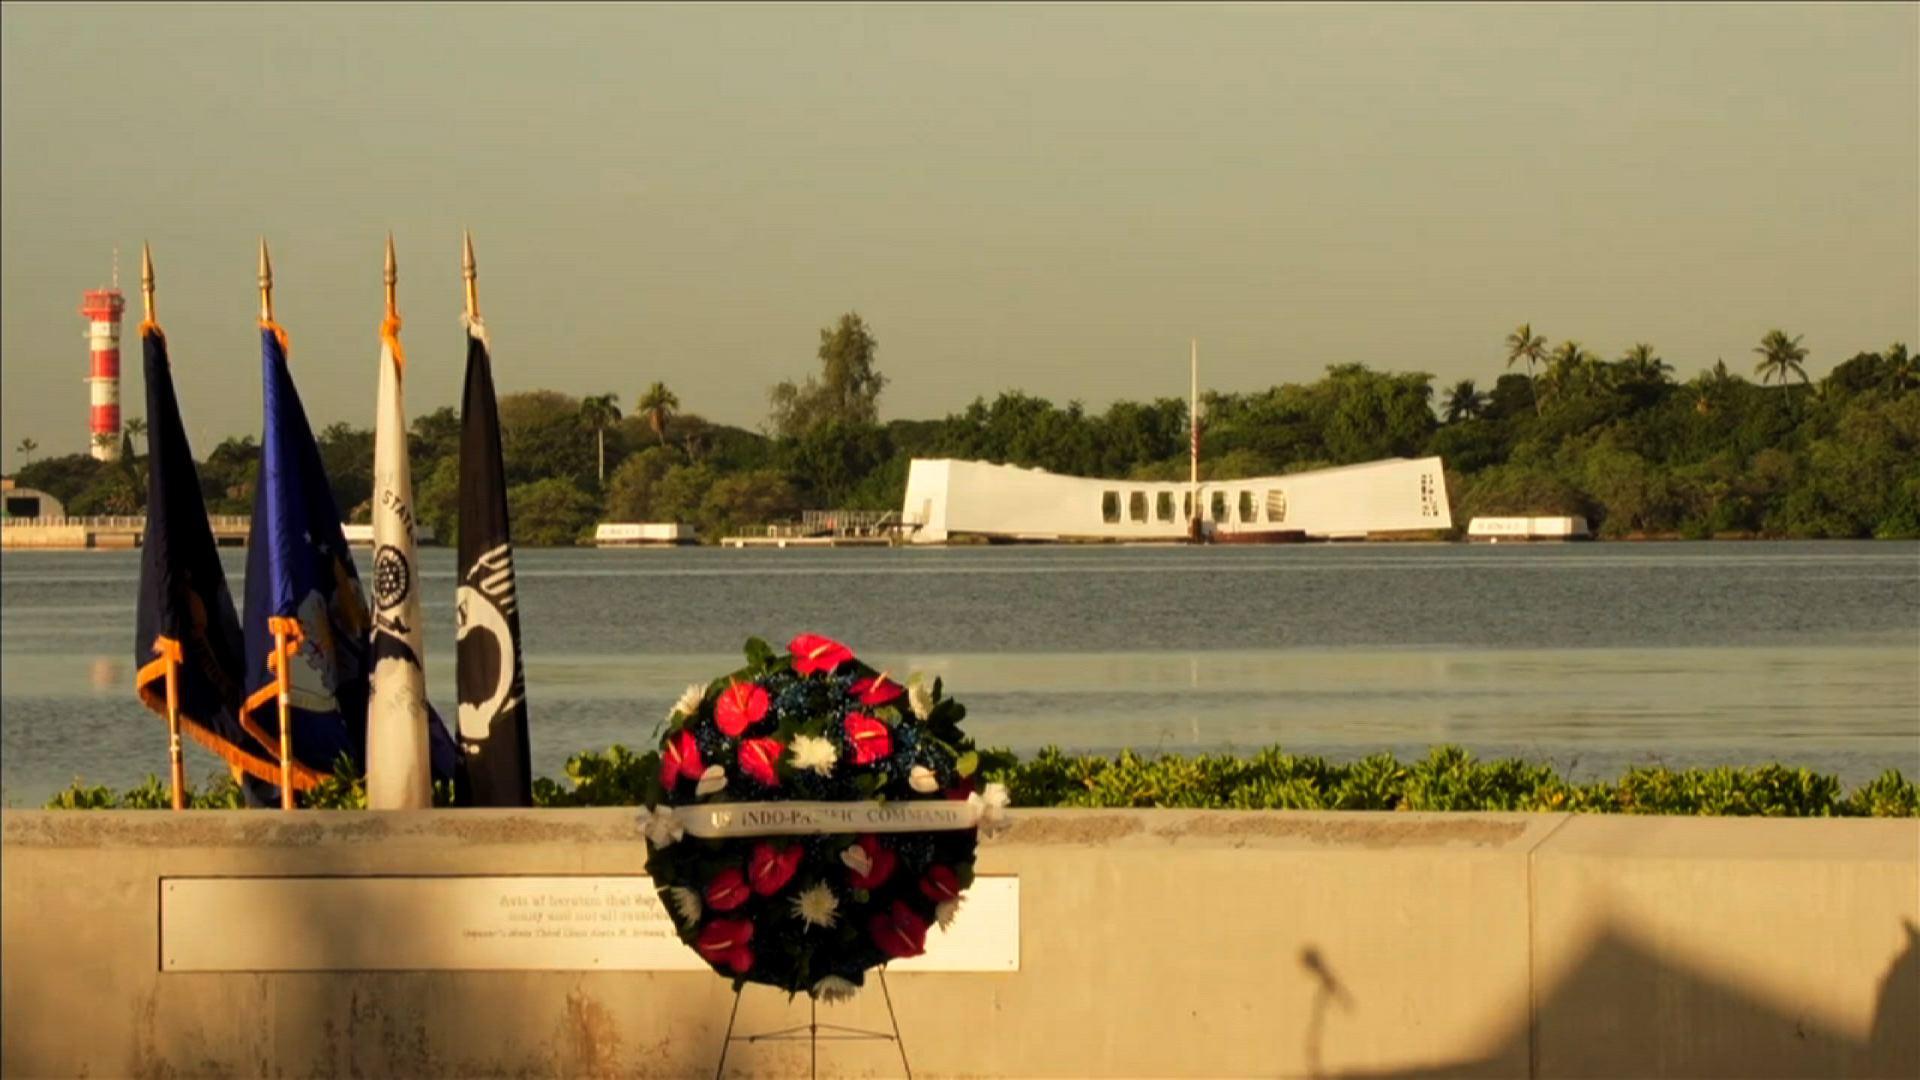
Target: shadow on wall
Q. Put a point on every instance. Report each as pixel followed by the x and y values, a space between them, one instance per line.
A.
pixel 1618 1014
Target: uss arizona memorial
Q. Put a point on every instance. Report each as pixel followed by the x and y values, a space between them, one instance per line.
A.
pixel 947 499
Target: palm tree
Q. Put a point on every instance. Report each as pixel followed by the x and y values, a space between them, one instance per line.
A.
pixel 599 413
pixel 658 403
pixel 1641 365
pixel 27 447
pixel 1464 402
pixel 1780 356
pixel 1571 365
pixel 1522 344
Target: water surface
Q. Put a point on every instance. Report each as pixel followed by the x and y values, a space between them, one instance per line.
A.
pixel 1591 657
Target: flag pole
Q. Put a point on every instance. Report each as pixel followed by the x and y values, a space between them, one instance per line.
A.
pixel 282 669
pixel 467 271
pixel 1194 530
pixel 169 650
pixel 283 686
pixel 392 278
pixel 176 760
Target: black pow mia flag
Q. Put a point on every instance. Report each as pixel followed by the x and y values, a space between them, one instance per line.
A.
pixel 498 765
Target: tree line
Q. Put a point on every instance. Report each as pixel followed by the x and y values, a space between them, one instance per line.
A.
pixel 1560 430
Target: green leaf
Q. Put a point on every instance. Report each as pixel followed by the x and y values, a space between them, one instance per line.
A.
pixel 759 653
pixel 968 763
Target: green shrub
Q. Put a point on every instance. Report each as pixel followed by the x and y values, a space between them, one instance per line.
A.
pixel 1448 778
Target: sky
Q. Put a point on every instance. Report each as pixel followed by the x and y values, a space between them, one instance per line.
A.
pixel 1053 199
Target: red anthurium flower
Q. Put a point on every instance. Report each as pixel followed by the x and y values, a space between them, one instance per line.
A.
pixel 772 867
pixel 899 933
pixel 740 706
pixel 941 883
pixel 680 757
pixel 812 653
pixel 871 739
pixel 727 890
pixel 726 941
pixel 880 863
pixel 757 758
pixel 878 690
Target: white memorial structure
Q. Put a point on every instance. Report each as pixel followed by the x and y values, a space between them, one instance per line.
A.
pixel 947 499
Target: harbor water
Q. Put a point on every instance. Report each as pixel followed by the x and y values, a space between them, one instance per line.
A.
pixel 1590 657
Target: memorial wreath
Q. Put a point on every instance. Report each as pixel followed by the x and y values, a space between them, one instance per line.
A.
pixel 810 817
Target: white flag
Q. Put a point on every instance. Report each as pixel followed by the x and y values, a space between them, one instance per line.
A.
pixel 399 768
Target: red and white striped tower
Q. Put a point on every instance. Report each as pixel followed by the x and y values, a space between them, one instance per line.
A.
pixel 102 307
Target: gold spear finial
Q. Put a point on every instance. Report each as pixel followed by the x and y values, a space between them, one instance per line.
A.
pixel 266 283
pixel 146 278
pixel 393 276
pixel 467 271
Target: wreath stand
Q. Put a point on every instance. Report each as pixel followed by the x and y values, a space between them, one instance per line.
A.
pixel 814 1032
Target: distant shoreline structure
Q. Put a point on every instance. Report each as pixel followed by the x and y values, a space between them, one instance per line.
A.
pixel 949 499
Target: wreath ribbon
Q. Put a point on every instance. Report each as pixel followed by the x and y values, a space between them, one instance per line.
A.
pixel 719 821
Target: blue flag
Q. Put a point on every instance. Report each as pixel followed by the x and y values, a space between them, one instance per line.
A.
pixel 185 611
pixel 301 580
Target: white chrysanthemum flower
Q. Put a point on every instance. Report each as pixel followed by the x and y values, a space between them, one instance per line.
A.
pixel 817 905
pixel 811 752
pixel 689 702
pixel 922 780
pixel 663 826
pixel 714 779
pixel 920 696
pixel 833 988
pixel 944 911
pixel 686 903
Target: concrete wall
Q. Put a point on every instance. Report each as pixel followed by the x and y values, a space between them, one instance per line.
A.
pixel 1154 943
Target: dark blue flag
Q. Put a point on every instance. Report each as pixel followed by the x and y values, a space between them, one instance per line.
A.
pixel 185 609
pixel 301 579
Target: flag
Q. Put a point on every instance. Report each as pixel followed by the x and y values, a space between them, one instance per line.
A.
pixel 398 762
pixel 301 579
pixel 185 610
pixel 498 767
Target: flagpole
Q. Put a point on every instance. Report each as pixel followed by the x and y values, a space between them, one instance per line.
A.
pixel 1194 531
pixel 467 271
pixel 176 759
pixel 283 687
pixel 170 651
pixel 283 668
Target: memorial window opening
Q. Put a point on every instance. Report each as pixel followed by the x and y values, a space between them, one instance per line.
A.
pixel 1276 506
pixel 1137 507
pixel 1163 507
pixel 1110 507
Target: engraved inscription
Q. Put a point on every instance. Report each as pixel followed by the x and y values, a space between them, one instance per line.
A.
pixel 534 912
pixel 490 923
